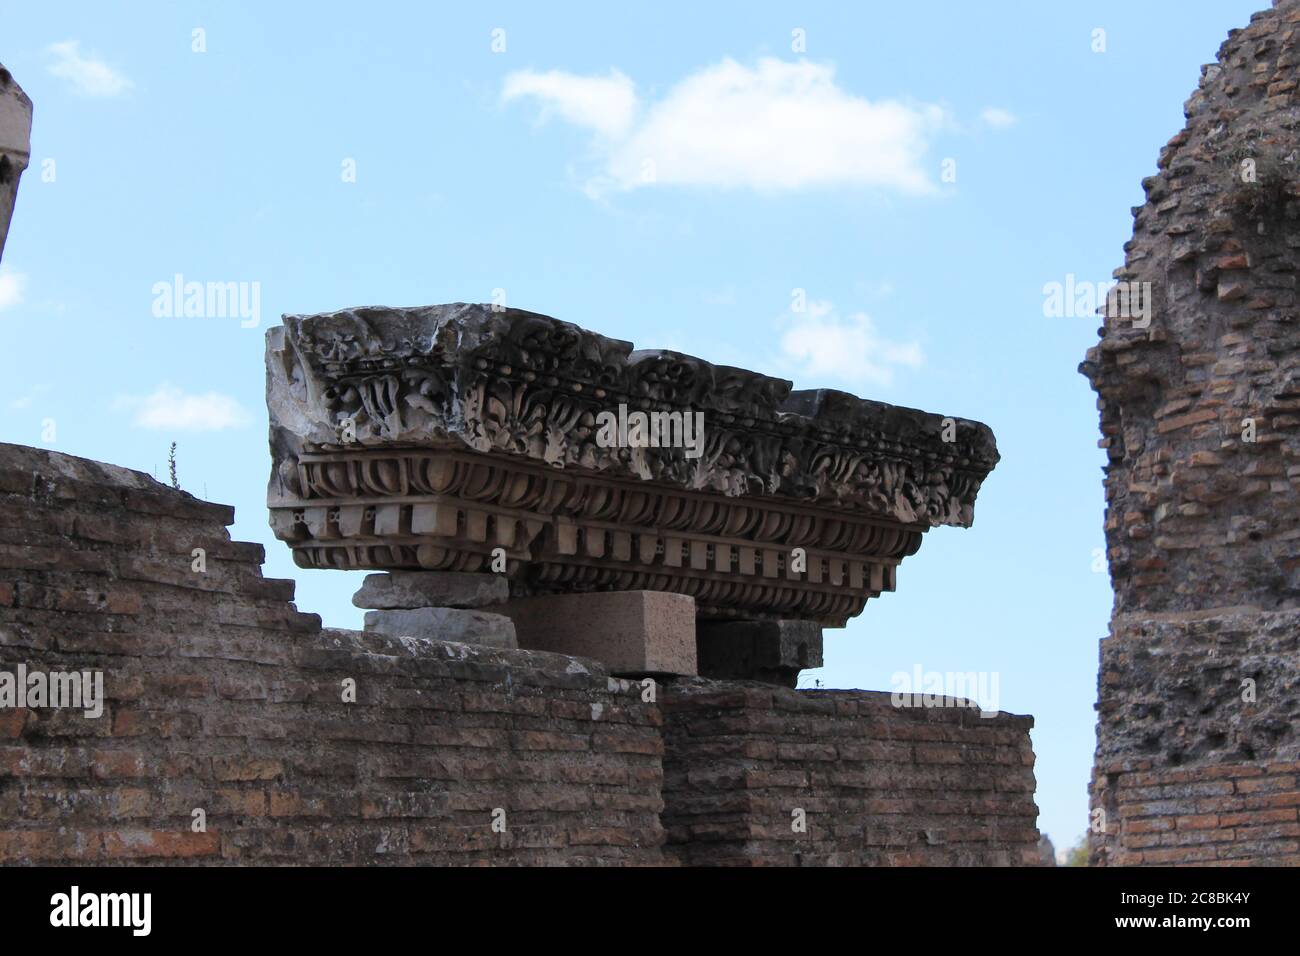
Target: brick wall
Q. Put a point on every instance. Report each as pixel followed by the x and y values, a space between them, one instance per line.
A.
pixel 222 697
pixel 1199 688
pixel 1197 759
pixel 878 785
pixel 1200 408
pixel 1225 815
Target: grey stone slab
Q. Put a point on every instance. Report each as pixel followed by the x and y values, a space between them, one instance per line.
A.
pixel 444 624
pixel 431 589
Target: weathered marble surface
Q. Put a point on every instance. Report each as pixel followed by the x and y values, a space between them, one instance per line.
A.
pixel 524 384
pixel 459 438
pixel 15 146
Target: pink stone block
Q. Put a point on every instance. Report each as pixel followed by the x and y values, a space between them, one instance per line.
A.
pixel 630 632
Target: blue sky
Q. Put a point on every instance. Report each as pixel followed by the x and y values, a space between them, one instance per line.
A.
pixel 680 176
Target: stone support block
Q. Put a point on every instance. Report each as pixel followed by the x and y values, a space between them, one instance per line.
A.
pixel 771 651
pixel 630 632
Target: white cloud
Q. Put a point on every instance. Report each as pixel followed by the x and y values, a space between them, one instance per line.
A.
pixel 168 407
pixel 25 400
pixel 875 290
pixel 11 288
pixel 605 104
pixel 88 75
pixel 776 126
pixel 998 118
pixel 820 344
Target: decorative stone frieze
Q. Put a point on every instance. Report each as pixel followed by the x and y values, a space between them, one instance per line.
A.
pixel 459 438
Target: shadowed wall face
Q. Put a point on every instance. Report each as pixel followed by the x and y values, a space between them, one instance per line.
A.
pixel 1199 392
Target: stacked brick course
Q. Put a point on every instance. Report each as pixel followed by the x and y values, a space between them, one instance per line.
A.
pixel 1199 691
pixel 877 785
pixel 1225 815
pixel 221 696
pixel 1197 751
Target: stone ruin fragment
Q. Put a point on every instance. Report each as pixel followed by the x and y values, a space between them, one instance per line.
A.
pixel 15 145
pixel 620 496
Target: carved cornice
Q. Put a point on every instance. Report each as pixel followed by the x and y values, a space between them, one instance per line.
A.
pixel 524 384
pixel 409 438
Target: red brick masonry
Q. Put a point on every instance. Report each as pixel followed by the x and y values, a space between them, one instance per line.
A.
pixel 1225 815
pixel 878 785
pixel 222 697
pixel 1199 688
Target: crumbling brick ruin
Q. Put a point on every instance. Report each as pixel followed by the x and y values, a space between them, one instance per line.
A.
pixel 222 697
pixel 1199 691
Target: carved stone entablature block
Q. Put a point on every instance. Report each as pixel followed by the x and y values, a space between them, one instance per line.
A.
pixel 445 437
